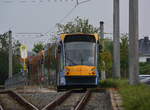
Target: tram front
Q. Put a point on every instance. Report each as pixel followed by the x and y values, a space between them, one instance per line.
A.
pixel 80 60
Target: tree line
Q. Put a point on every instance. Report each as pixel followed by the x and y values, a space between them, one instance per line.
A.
pixel 106 56
pixel 4 49
pixel 77 25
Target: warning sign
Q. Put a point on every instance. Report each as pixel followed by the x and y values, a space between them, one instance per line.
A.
pixel 23 50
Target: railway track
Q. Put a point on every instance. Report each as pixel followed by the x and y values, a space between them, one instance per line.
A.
pixel 70 100
pixel 77 100
pixel 98 100
pixel 1 108
pixel 2 87
pixel 10 100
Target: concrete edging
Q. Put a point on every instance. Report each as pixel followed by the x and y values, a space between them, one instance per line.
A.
pixel 116 100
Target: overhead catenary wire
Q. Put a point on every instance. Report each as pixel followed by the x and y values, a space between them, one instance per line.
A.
pixel 68 14
pixel 61 20
pixel 37 35
pixel 83 1
pixel 78 2
pixel 33 1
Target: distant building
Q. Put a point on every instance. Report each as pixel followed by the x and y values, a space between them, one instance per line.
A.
pixel 144 50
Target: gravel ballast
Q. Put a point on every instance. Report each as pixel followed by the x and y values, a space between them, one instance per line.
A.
pixel 41 99
pixel 98 101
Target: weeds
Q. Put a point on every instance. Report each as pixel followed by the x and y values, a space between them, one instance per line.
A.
pixel 134 97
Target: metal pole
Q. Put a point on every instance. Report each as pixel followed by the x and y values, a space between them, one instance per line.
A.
pixel 102 29
pixel 133 42
pixel 43 74
pixel 116 40
pixel 10 54
pixel 103 74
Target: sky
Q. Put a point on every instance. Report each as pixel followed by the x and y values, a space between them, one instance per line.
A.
pixel 40 16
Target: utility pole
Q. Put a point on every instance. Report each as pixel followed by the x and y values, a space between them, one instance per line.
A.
pixel 116 40
pixel 103 74
pixel 133 42
pixel 77 2
pixel 42 63
pixel 10 54
pixel 102 29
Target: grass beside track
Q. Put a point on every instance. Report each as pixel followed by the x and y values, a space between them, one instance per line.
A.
pixel 135 97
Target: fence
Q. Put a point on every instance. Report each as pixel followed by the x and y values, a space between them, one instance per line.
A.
pixel 17 80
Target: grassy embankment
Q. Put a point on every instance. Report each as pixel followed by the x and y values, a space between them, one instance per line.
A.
pixel 134 97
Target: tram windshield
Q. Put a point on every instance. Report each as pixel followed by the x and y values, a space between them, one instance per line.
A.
pixel 80 53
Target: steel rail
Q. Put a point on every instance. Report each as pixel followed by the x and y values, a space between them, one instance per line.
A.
pixel 2 87
pixel 19 99
pixel 83 101
pixel 57 101
pixel 1 108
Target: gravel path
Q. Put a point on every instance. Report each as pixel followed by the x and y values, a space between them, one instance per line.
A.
pixel 98 101
pixel 41 99
pixel 9 103
pixel 70 102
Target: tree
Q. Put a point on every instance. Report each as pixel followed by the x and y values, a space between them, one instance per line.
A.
pixel 106 62
pixel 4 42
pixel 106 57
pixel 82 25
pixel 38 47
pixel 144 68
pixel 77 25
pixel 124 55
pixel 3 67
pixel 16 47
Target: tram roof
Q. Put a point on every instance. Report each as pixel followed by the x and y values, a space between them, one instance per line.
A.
pixel 97 37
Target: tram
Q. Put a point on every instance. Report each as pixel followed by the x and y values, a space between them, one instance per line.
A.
pixel 76 60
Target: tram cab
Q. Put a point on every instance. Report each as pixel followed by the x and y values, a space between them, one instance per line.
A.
pixel 78 60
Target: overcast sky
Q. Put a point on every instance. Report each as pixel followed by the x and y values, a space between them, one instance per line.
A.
pixel 40 16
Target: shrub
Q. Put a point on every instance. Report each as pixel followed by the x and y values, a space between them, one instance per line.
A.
pixel 135 97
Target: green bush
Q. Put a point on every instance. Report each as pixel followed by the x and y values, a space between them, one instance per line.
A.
pixel 145 68
pixel 135 97
pixel 112 83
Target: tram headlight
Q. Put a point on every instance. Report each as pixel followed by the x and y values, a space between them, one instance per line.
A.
pixel 66 71
pixel 93 71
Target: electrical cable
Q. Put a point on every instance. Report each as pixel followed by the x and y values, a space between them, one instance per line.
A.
pixel 70 12
pixel 33 1
pixel 61 20
pixel 84 2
